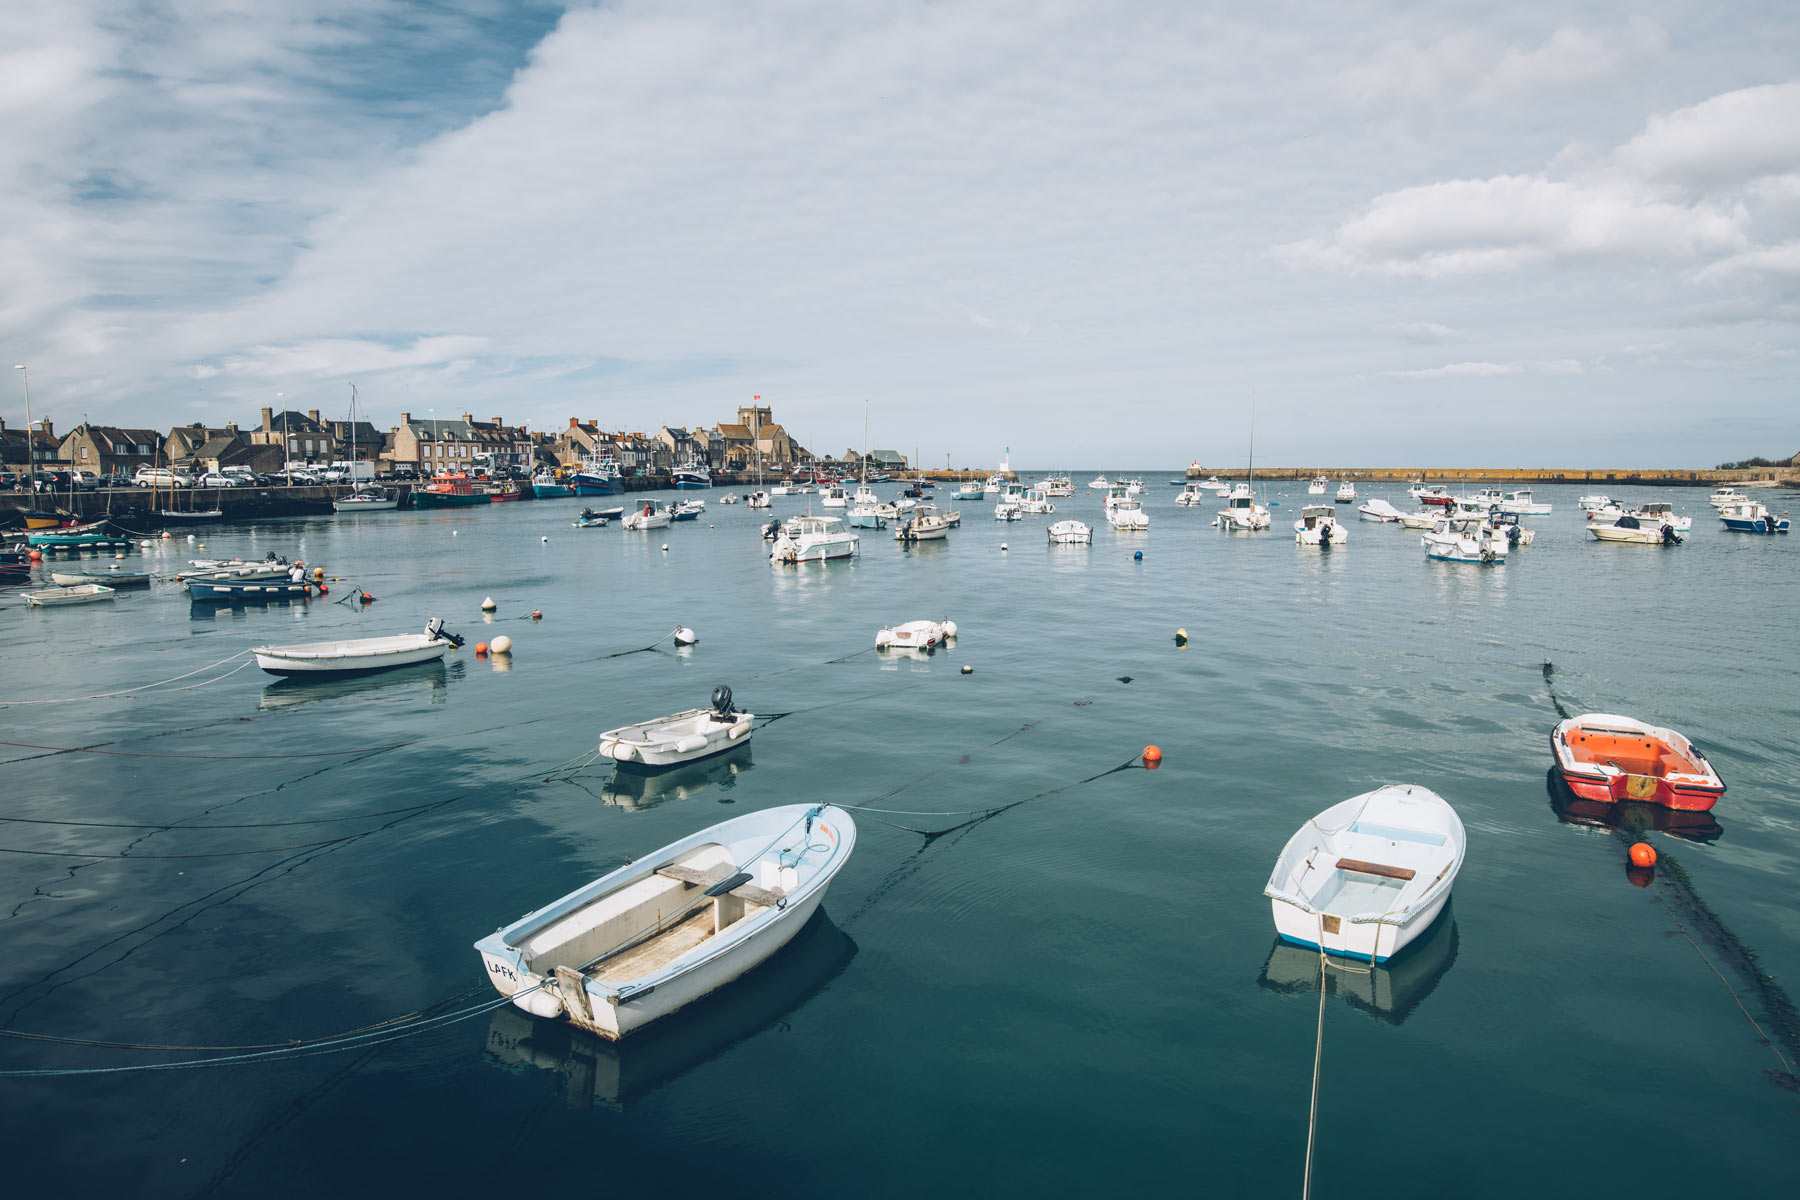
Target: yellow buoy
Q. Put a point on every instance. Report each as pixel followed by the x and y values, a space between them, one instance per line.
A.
pixel 501 645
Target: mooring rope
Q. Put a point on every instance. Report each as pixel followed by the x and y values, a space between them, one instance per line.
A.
pixel 128 691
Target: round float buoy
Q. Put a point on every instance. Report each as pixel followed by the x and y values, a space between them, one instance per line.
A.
pixel 967 669
pixel 1643 854
pixel 167 536
pixel 1003 545
pixel 453 533
pixel 367 599
pixel 685 636
pixel 501 645
pixel 190 537
pixel 481 649
pixel 665 547
pixel 323 590
pixel 318 572
pixel 545 538
pixel 1152 757
pixel 201 546
pixel 488 605
pixel 1181 637
pixel 36 556
pixel 1138 555
pixel 536 615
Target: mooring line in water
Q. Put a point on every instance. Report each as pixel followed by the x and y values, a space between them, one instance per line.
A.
pixel 208 757
pixel 1312 1119
pixel 982 814
pixel 369 816
pixel 129 691
pixel 1550 682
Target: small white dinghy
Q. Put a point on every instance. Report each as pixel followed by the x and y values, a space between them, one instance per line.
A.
pixel 1071 533
pixel 1368 875
pixel 657 934
pixel 916 635
pixel 84 593
pixel 683 737
pixel 1379 510
pixel 355 656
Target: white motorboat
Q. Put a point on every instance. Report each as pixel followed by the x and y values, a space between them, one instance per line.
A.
pixel 1319 526
pixel 113 578
pixel 922 523
pixel 728 498
pixel 1508 526
pixel 1128 515
pixel 367 498
pixel 916 635
pixel 1464 539
pixel 1242 512
pixel 683 737
pixel 56 597
pixel 1192 494
pixel 1748 517
pixel 1036 503
pixel 1367 876
pixel 1071 533
pixel 1632 530
pixel 813 539
pixel 1727 496
pixel 1379 510
pixel 1425 518
pixel 677 924
pixel 687 510
pixel 994 484
pixel 1099 483
pixel 834 497
pixel 1520 503
pixel 1007 509
pixel 1133 487
pixel 1116 493
pixel 757 499
pixel 651 514
pixel 1659 513
pixel 1318 486
pixel 1346 492
pixel 1482 500
pixel 1594 502
pixel 1213 484
pixel 356 656
pixel 1058 486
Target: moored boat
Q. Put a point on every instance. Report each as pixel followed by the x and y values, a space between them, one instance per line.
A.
pixel 1317 486
pixel 1367 876
pixel 1242 512
pixel 813 539
pixel 916 635
pixel 1379 510
pixel 587 518
pixel 450 491
pixel 922 523
pixel 1751 517
pixel 548 485
pixel 113 578
pixel 1071 533
pixel 683 737
pixel 56 597
pixel 656 934
pixel 651 514
pixel 1631 530
pixel 1346 492
pixel 220 589
pixel 358 656
pixel 1319 526
pixel 1127 515
pixel 692 475
pixel 366 498
pixel 1607 757
pixel 1464 539
pixel 1520 503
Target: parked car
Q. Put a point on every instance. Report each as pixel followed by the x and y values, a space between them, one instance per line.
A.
pixel 114 480
pixel 85 481
pixel 161 477
pixel 50 481
pixel 218 479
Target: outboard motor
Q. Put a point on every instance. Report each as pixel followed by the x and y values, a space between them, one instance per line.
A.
pixel 772 530
pixel 1512 536
pixel 1325 531
pixel 721 702
pixel 1670 537
pixel 434 629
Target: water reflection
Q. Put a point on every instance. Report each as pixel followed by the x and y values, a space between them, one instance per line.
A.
pixel 1389 993
pixel 1632 818
pixel 427 681
pixel 634 787
pixel 590 1068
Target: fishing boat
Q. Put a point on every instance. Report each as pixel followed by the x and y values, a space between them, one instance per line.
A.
pixel 1431 493
pixel 969 490
pixel 1036 502
pixel 587 518
pixel 923 523
pixel 113 578
pixel 1593 502
pixel 1464 540
pixel 651 514
pixel 358 656
pixel 681 738
pixel 1726 496
pixel 547 485
pixel 1379 510
pixel 1318 486
pixel 834 497
pixel 1346 492
pixel 1128 515
pixel 1007 509
pixel 654 935
pixel 1607 757
pixel 1241 512
pixel 450 491
pixel 1192 495
pixel 500 490
pixel 1099 483
pixel 1520 503
pixel 1319 526
pixel 916 635
pixel 56 597
pixel 227 590
pixel 813 539
pixel 1424 518
pixel 687 510
pixel 1632 531
pixel 366 498
pixel 598 475
pixel 692 474
pixel 1071 533
pixel 1058 486
pixel 1367 876
pixel 1751 517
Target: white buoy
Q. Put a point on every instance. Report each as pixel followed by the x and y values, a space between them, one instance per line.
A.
pixel 190 537
pixel 545 538
pixel 1003 545
pixel 665 547
pixel 501 645
pixel 453 533
pixel 685 636
pixel 488 605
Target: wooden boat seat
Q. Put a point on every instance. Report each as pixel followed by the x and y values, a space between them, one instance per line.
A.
pixel 763 897
pixel 1369 868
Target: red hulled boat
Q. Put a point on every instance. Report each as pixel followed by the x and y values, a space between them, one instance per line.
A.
pixel 1608 758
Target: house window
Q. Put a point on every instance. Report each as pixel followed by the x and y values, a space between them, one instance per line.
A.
pixel 293 445
pixel 84 451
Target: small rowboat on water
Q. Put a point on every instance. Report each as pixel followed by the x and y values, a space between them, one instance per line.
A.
pixel 116 579
pixel 219 589
pixel 916 635
pixel 683 737
pixel 655 935
pixel 358 655
pixel 55 597
pixel 1606 757
pixel 1368 875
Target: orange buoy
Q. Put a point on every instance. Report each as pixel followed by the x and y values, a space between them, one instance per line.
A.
pixel 1152 757
pixel 480 649
pixel 323 590
pixel 367 599
pixel 37 556
pixel 1643 854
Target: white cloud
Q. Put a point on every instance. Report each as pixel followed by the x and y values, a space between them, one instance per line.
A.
pixel 1468 67
pixel 1781 261
pixel 1726 141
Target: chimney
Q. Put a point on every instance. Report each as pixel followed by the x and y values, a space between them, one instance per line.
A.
pixel 268 415
pixel 48 428
pixel 468 419
pixel 312 414
pixel 406 418
pixel 498 423
pixel 574 422
pixel 231 428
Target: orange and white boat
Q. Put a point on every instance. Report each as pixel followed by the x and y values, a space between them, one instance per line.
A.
pixel 1606 757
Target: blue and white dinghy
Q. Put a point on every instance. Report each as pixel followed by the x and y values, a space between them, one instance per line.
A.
pixel 1368 875
pixel 655 935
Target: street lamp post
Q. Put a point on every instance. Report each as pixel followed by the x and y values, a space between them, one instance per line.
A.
pixel 287 461
pixel 434 432
pixel 30 471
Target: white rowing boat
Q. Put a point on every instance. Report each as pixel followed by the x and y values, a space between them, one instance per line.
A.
pixel 659 933
pixel 683 737
pixel 56 597
pixel 358 655
pixel 1369 874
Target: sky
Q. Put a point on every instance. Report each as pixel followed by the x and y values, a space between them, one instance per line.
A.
pixel 1101 234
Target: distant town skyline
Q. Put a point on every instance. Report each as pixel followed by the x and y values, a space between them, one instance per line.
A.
pixel 1099 233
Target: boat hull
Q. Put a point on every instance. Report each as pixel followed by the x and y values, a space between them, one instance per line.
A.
pixel 430 499
pixel 86 593
pixel 356 506
pixel 1739 525
pixel 551 491
pixel 202 590
pixel 679 744
pixel 292 661
pixel 1624 743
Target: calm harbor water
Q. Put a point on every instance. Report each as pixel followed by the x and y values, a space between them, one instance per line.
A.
pixel 1078 996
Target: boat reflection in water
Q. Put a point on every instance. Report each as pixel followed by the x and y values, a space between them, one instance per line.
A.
pixel 618 1073
pixel 633 787
pixel 1630 818
pixel 427 681
pixel 1389 992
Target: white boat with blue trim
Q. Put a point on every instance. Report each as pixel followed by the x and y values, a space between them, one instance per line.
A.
pixel 657 934
pixel 1367 876
pixel 682 738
